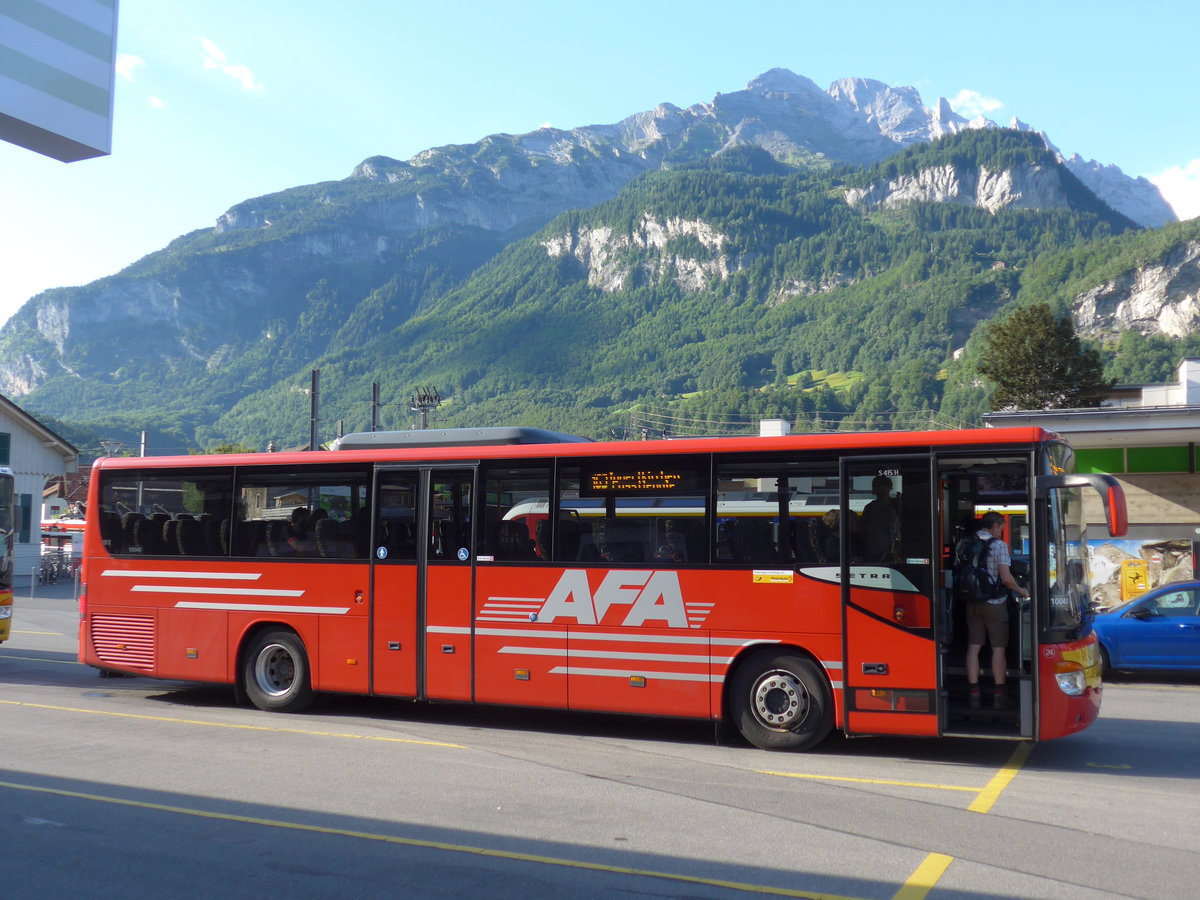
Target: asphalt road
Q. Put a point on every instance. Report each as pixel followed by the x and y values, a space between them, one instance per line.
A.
pixel 130 788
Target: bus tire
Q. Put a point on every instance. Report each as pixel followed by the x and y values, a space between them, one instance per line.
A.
pixel 275 673
pixel 781 701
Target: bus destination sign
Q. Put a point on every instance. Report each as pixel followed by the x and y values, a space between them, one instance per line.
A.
pixel 636 480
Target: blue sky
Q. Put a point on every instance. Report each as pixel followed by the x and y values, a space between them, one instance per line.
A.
pixel 218 101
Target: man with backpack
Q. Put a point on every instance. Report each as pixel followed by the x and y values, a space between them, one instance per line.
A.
pixel 987 616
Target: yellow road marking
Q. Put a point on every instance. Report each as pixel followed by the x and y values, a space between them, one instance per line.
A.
pixel 305 731
pixel 916 784
pixel 46 633
pixel 934 866
pixel 990 794
pixel 921 882
pixel 432 845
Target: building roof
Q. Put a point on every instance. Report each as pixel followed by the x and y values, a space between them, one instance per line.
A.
pixel 1110 425
pixel 1149 415
pixel 50 440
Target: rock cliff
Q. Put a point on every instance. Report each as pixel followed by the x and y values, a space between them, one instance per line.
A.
pixel 1162 297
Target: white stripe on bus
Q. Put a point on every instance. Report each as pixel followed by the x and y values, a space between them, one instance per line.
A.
pixel 630 673
pixel 700 659
pixel 237 592
pixel 260 607
pixel 213 576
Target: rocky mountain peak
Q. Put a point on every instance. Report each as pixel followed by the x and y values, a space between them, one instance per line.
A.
pixel 897 112
pixel 782 81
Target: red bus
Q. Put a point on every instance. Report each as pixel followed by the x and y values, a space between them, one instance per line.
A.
pixel 785 586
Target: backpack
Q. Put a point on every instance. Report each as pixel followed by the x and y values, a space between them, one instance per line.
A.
pixel 972 580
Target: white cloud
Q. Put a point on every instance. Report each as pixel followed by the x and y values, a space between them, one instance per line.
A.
pixel 127 64
pixel 970 104
pixel 214 58
pixel 1180 186
pixel 157 103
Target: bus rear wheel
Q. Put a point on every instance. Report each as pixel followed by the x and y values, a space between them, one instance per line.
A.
pixel 781 701
pixel 275 673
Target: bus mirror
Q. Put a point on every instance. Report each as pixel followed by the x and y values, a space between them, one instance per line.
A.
pixel 1111 493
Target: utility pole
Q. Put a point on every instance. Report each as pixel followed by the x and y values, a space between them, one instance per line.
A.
pixel 374 405
pixel 314 405
pixel 423 401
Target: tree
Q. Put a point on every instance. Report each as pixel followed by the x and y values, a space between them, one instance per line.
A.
pixel 1037 362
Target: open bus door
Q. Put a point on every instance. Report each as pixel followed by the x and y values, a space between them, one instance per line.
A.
pixel 888 578
pixel 968 488
pixel 421 608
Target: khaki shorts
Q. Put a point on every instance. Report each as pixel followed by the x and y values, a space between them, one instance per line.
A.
pixel 990 619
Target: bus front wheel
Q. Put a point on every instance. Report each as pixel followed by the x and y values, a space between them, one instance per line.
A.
pixel 275 673
pixel 781 701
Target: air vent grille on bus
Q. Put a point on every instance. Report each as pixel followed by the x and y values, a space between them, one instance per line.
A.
pixel 124 640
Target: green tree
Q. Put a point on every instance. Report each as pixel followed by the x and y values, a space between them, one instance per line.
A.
pixel 1037 362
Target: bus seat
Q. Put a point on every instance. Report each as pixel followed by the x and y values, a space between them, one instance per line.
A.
pixel 729 543
pixel 276 539
pixel 514 541
pixel 110 532
pixel 569 535
pixel 330 543
pixel 128 521
pixel 190 535
pixel 170 536
pixel 143 539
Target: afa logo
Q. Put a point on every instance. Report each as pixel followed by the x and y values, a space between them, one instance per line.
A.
pixel 624 597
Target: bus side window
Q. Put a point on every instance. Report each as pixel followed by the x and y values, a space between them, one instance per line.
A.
pixel 778 511
pixel 145 510
pixel 516 511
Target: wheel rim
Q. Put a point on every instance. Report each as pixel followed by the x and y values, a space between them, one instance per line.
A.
pixel 275 670
pixel 781 700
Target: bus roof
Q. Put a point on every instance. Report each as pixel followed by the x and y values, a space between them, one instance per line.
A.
pixel 452 437
pixel 418 451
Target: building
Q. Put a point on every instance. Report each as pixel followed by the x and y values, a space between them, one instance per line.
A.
pixel 57 65
pixel 1145 435
pixel 35 454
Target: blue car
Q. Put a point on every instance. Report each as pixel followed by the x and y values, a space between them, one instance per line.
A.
pixel 1159 630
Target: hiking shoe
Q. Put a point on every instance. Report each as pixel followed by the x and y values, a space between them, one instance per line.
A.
pixel 1000 700
pixel 973 696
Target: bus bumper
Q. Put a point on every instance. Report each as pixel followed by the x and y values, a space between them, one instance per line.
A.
pixel 1070 687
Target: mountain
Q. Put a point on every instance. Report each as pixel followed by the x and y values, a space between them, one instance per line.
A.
pixel 527 271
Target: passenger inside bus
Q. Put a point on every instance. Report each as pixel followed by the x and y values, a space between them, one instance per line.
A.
pixel 823 538
pixel 674 546
pixel 299 533
pixel 879 525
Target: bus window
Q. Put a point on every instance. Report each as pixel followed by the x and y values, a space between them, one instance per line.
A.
pixel 516 513
pixel 319 515
pixel 643 510
pixel 158 512
pixel 753 498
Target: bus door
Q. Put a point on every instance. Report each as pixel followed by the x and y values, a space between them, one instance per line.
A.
pixel 969 488
pixel 421 583
pixel 888 577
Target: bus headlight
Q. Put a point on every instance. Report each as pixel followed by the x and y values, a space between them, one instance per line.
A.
pixel 5 612
pixel 1071 678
